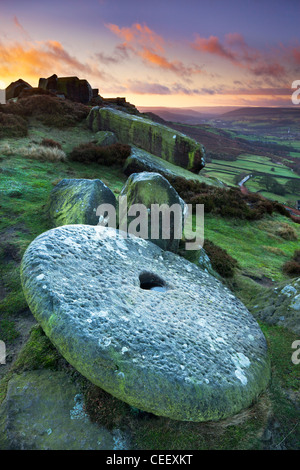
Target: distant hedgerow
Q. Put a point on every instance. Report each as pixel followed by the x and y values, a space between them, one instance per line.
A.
pixel 109 155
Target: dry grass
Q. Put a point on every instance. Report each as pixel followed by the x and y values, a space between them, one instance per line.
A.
pixel 36 152
pixel 287 232
pixel 274 250
pixel 40 152
pixel 6 149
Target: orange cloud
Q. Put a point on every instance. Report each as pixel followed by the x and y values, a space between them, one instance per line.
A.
pixel 237 51
pixel 138 34
pixel 212 45
pixel 175 66
pixel 147 44
pixel 31 61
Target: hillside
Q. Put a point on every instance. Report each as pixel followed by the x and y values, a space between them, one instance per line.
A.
pixel 248 242
pixel 258 113
pixel 267 148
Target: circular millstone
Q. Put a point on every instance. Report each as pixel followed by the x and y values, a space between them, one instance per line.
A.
pixel 144 324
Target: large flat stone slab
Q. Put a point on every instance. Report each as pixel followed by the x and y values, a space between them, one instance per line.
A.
pixel 151 136
pixel 189 350
pixel 140 160
pixel 43 410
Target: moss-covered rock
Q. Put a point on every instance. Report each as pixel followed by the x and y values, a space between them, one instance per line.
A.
pixel 152 188
pixel 153 137
pixel 71 88
pixel 191 352
pixel 75 201
pixel 43 410
pixel 280 305
pixel 200 258
pixel 15 88
pixel 140 160
pixel 105 138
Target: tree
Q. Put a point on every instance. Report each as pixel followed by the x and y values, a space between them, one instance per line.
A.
pixel 272 185
pixel 293 186
pixel 268 181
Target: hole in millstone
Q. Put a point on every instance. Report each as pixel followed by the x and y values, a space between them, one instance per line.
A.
pixel 150 281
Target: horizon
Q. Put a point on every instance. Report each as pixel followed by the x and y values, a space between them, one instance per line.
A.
pixel 169 54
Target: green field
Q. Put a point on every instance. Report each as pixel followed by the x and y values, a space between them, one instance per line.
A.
pixel 247 164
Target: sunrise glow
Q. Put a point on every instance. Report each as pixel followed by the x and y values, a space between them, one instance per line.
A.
pixel 175 53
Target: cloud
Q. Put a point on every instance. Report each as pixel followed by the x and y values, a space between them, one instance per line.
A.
pixel 162 62
pixel 21 29
pixel 119 55
pixel 145 43
pixel 106 59
pixel 138 35
pixel 144 88
pixel 33 60
pixel 273 69
pixel 235 49
pixel 212 45
pixel 296 54
pixel 256 91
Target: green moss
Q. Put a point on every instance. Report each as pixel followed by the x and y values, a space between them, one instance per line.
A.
pixel 38 353
pixel 141 160
pixel 280 347
pixel 8 331
pixel 155 138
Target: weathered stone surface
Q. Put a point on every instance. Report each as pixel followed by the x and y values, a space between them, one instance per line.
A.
pixel 105 138
pixel 140 160
pixel 75 201
pixel 200 258
pixel 43 410
pixel 72 88
pixel 152 188
pixel 15 88
pixel 153 137
pixel 190 352
pixel 280 305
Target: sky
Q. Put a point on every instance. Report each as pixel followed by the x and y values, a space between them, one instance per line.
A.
pixel 174 53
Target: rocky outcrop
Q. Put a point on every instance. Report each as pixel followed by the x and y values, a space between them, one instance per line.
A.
pixel 144 324
pixel 140 160
pixel 15 88
pixel 71 88
pixel 43 410
pixel 75 201
pixel 155 138
pixel 280 305
pixel 152 188
pixel 105 138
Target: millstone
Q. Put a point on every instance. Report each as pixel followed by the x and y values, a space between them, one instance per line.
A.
pixel 144 324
